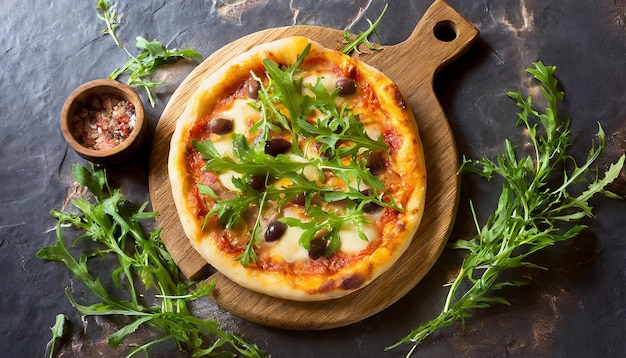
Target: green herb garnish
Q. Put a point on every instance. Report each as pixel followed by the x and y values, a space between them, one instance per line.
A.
pixel 287 87
pixel 362 37
pixel 336 126
pixel 108 14
pixel 255 162
pixel 532 213
pixel 153 53
pixel 113 225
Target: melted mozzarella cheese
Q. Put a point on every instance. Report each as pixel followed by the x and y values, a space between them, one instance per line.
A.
pixel 328 79
pixel 226 179
pixel 240 113
pixel 372 131
pixel 288 247
pixel 224 146
pixel 310 172
pixel 311 152
pixel 351 242
pixel 359 185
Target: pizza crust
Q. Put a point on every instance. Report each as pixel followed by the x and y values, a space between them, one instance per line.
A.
pixel 406 158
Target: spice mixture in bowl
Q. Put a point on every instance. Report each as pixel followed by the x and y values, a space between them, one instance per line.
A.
pixel 103 121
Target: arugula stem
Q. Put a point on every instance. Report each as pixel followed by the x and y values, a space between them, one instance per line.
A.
pixel 362 37
pixel 249 255
pixel 111 18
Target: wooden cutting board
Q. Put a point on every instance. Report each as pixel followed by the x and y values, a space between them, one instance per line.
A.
pixel 440 37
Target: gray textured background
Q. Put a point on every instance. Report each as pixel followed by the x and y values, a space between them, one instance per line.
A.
pixel 576 309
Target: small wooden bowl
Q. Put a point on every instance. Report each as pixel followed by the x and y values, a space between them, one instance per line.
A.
pixel 77 100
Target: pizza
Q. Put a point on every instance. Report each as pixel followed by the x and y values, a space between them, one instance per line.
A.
pixel 298 171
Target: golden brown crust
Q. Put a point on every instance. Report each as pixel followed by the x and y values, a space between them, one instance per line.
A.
pixel 304 279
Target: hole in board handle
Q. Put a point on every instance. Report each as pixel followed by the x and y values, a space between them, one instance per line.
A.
pixel 445 31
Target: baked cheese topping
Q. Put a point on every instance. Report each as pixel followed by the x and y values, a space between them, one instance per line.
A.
pixel 287 248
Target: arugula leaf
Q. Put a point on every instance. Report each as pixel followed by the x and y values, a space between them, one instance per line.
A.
pixel 113 224
pixel 271 118
pixel 286 85
pixel 249 255
pixel 362 37
pixel 352 173
pixel 249 160
pixel 532 212
pixel 289 90
pixel 58 331
pixel 230 211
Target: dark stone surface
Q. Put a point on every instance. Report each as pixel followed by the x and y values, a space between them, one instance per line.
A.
pixel 576 309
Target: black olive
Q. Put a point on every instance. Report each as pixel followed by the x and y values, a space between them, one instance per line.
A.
pixel 317 248
pixel 277 146
pixel 252 88
pixel 219 125
pixel 370 207
pixel 257 182
pixel 274 231
pixel 347 85
pixel 328 154
pixel 300 199
pixel 375 162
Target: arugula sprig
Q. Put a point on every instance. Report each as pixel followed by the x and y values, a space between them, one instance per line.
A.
pixel 250 161
pixel 286 85
pixel 152 55
pixel 286 88
pixel 139 68
pixel 363 36
pixel 108 14
pixel 113 225
pixel 337 125
pixel 247 159
pixel 532 212
pixel 272 120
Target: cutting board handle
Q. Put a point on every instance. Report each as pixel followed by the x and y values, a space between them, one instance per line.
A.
pixel 441 36
pixel 442 33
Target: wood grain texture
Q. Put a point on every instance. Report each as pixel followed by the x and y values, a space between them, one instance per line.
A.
pixel 413 65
